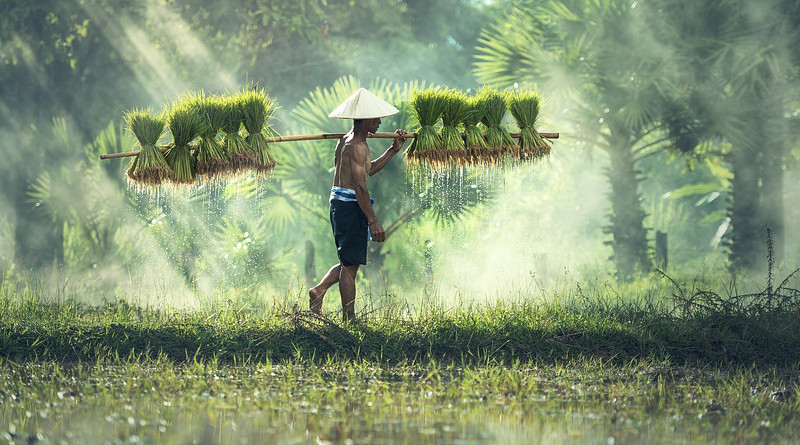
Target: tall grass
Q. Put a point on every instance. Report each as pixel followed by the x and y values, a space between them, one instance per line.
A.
pixel 455 112
pixel 258 110
pixel 149 168
pixel 524 105
pixel 185 124
pixel 211 160
pixel 427 107
pixel 240 155
pixel 34 327
pixel 475 142
pixel 498 138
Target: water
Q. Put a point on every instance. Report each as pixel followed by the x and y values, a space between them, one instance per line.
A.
pixel 461 184
pixel 355 403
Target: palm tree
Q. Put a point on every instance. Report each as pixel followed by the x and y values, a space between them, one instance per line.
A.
pixel 204 238
pixel 589 53
pixel 82 231
pixel 737 84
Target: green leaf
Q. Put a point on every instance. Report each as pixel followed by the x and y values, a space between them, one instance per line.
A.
pixel 692 190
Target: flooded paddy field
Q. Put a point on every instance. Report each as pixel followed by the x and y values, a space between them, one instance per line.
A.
pixel 335 401
pixel 506 373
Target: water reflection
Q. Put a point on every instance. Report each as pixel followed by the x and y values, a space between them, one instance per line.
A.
pixel 297 404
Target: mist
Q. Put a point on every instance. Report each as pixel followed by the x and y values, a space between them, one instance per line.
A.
pixel 664 127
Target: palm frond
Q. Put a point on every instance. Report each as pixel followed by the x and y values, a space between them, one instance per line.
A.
pixel 311 113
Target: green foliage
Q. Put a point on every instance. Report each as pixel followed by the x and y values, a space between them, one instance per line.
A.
pixel 509 49
pixel 210 158
pixel 181 163
pixel 91 224
pixel 51 51
pixel 185 124
pixel 474 140
pixel 241 157
pixel 258 110
pixel 498 139
pixel 150 167
pixel 234 115
pixel 145 126
pixel 524 106
pixel 312 110
pixel 738 93
pixel 453 117
pixel 573 47
pixel 517 331
pixel 428 105
pixel 246 243
pixel 427 108
pixel 211 110
pixel 133 56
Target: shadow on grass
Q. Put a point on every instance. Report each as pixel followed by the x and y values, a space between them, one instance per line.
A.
pixel 503 333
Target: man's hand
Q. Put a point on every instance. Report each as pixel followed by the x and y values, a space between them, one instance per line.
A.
pixel 378 235
pixel 397 143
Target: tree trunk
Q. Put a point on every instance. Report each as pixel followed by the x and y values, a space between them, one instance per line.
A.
pixel 772 178
pixel 746 240
pixel 772 200
pixel 629 241
pixel 757 191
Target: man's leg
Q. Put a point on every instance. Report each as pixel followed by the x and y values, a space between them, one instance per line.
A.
pixel 317 293
pixel 347 287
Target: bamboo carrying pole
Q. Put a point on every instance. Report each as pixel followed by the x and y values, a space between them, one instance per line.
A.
pixel 316 137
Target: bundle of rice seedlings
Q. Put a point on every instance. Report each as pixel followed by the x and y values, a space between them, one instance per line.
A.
pixel 498 139
pixel 258 110
pixel 185 124
pixel 149 168
pixel 455 112
pixel 524 106
pixel 427 107
pixel 240 156
pixel 474 141
pixel 211 163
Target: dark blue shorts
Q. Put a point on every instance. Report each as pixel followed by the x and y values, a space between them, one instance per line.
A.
pixel 350 227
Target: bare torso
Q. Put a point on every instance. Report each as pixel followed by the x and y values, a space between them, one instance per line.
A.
pixel 343 159
pixel 352 167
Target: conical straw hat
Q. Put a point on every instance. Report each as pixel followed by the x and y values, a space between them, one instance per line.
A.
pixel 363 105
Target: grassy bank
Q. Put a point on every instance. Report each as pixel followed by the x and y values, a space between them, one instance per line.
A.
pixel 691 369
pixel 33 328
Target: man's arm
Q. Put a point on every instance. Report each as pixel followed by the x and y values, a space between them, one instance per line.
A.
pixel 359 172
pixel 378 164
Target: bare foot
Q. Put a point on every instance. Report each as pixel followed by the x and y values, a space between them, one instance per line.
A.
pixel 315 300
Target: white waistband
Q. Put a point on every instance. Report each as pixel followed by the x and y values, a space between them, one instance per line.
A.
pixel 342 194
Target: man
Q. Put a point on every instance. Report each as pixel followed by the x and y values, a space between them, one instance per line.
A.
pixel 352 217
